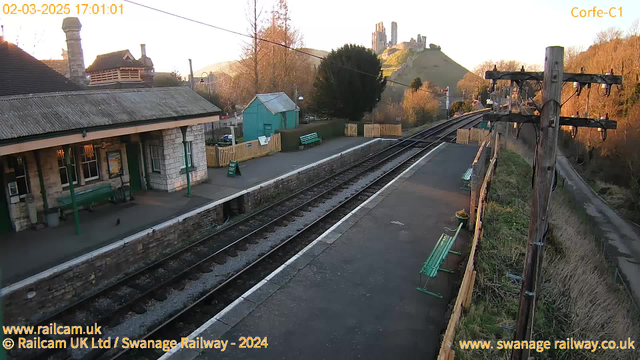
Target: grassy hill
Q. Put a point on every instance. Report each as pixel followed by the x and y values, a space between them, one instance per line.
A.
pixel 228 67
pixel 429 65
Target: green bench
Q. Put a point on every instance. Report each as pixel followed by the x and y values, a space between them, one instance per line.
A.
pixel 87 197
pixel 310 139
pixel 466 179
pixel 431 267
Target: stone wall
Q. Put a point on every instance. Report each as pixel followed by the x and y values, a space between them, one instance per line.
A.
pixel 70 282
pixel 172 175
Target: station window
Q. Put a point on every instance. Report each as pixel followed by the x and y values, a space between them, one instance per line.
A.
pixel 189 155
pixel 89 160
pixel 155 152
pixel 64 179
pixel 21 175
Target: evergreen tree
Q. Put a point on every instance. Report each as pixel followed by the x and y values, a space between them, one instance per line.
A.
pixel 416 84
pixel 348 83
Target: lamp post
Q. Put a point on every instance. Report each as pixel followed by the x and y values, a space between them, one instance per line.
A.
pixel 208 83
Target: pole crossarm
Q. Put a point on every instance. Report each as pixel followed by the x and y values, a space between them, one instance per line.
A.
pixel 538 76
pixel 564 120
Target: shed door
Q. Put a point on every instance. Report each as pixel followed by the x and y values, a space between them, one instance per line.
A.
pixel 268 130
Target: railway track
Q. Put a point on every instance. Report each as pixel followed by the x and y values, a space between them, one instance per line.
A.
pixel 199 280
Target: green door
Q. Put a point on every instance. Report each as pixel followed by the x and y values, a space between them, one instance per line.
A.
pixel 133 160
pixel 5 218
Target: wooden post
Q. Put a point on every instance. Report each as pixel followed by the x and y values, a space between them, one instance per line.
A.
pixel 544 174
pixel 469 296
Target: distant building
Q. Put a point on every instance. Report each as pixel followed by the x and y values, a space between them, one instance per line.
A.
pixel 120 70
pixel 267 113
pixel 379 39
pixel 129 136
pixel 21 73
pixel 394 34
pixel 61 66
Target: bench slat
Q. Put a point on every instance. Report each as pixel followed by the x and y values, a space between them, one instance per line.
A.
pixel 84 197
pixel 439 253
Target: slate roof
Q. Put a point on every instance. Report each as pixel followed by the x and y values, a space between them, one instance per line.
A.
pixel 21 73
pixel 113 60
pixel 276 102
pixel 31 116
pixel 60 66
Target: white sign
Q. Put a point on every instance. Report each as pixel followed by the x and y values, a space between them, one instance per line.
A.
pixel 263 140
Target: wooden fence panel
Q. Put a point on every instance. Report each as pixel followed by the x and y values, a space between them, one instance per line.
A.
pixel 390 130
pixel 462 136
pixel 371 130
pixel 351 129
pixel 241 152
pixel 478 135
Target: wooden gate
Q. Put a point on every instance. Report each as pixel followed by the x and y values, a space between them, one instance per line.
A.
pixel 351 129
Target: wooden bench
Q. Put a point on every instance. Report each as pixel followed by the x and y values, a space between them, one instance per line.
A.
pixel 310 139
pixel 431 267
pixel 87 197
pixel 466 179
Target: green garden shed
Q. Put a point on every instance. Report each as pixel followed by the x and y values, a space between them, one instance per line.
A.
pixel 267 113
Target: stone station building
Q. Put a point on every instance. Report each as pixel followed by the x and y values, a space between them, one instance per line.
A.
pixel 116 137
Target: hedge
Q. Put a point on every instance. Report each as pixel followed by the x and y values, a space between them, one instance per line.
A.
pixel 325 129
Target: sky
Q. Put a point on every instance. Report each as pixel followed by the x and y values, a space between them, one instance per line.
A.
pixel 469 32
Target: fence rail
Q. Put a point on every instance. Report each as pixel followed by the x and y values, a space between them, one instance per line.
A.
pixel 221 156
pixel 465 294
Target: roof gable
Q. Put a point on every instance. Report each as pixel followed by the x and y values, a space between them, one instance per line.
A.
pixel 21 73
pixel 275 102
pixel 114 60
pixel 29 116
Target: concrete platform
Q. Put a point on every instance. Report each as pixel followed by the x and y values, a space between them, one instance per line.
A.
pixel 352 293
pixel 30 252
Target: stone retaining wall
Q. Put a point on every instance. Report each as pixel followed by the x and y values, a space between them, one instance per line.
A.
pixel 34 298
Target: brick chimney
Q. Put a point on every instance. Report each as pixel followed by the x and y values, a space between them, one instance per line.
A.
pixel 71 27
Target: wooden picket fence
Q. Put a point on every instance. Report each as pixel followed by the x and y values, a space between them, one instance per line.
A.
pixel 465 294
pixel 350 129
pixel 378 130
pixel 221 156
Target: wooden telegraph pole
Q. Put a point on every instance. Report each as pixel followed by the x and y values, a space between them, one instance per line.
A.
pixel 544 175
pixel 549 122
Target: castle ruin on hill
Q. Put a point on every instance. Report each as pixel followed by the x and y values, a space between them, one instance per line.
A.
pixel 379 40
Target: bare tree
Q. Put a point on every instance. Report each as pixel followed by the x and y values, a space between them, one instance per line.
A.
pixel 610 34
pixel 634 29
pixel 251 51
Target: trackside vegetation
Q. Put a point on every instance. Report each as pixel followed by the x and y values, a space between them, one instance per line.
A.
pixel 580 297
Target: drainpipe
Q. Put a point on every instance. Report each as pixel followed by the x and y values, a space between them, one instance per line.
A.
pixel 186 157
pixel 67 161
pixel 43 190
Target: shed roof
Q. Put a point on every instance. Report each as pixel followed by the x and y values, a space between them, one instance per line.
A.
pixel 276 102
pixel 28 116
pixel 114 60
pixel 21 73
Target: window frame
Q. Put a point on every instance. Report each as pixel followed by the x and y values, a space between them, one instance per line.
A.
pixel 73 163
pixel 189 152
pixel 82 162
pixel 155 161
pixel 25 169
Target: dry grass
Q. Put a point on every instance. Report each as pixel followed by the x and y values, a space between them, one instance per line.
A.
pixel 580 297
